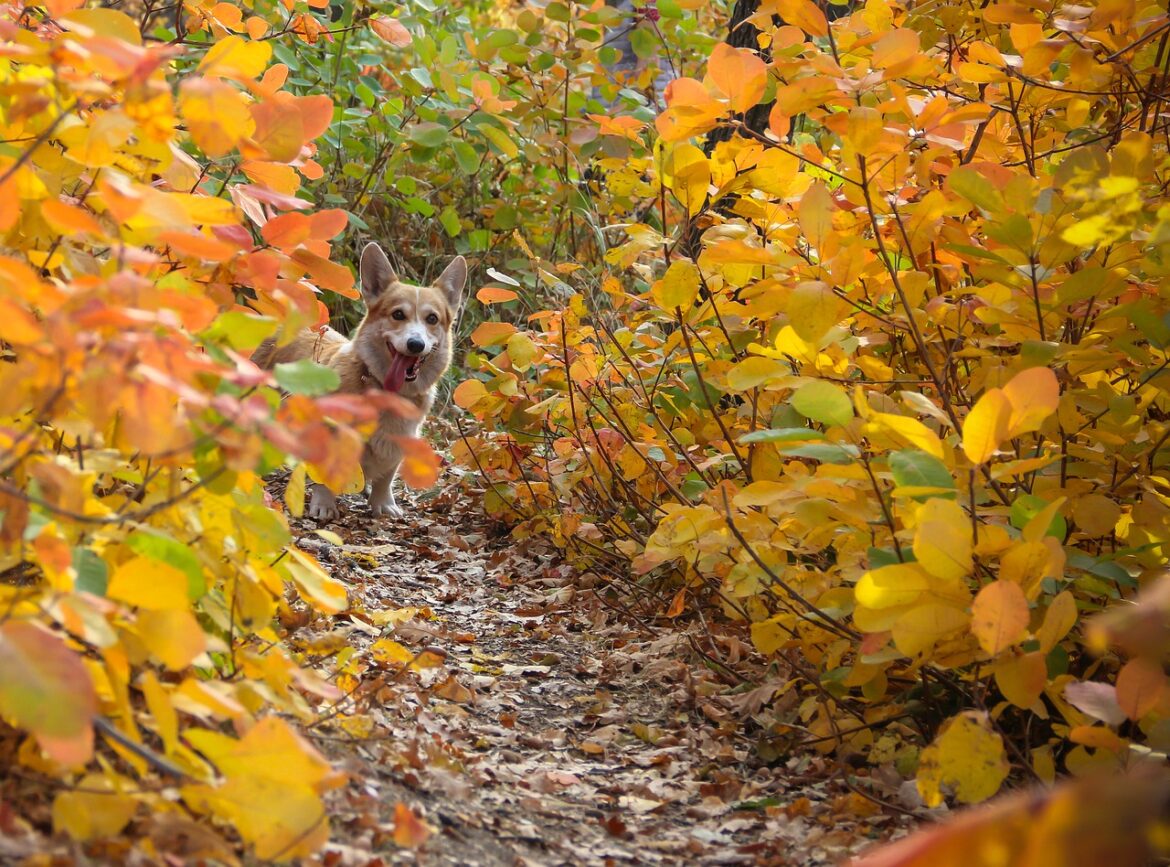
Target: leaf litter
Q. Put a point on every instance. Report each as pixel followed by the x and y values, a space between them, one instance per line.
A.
pixel 499 711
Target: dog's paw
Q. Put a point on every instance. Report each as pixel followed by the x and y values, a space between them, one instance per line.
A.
pixel 386 510
pixel 324 511
pixel 322 504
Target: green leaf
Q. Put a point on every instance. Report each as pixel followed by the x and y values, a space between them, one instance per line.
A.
pixel 828 453
pixel 466 156
pixel 428 134
pixel 92 574
pixel 306 377
pixel 173 553
pixel 1027 506
pixel 914 468
pixel 450 221
pixel 824 402
pixel 782 435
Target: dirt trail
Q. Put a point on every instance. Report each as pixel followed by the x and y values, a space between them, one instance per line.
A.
pixel 552 731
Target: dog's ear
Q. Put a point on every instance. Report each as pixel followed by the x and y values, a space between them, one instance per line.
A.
pixel 376 272
pixel 452 281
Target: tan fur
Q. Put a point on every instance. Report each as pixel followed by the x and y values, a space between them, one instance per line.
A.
pixel 396 314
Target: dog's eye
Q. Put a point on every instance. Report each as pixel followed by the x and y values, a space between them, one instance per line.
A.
pixel 433 319
pixel 399 315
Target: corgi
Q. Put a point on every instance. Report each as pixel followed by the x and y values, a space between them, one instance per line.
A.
pixel 403 345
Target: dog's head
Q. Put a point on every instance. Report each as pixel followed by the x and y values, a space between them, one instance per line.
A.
pixel 405 339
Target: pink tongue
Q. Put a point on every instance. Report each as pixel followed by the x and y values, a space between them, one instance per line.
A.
pixel 396 375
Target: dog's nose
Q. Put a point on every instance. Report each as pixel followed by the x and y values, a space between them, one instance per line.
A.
pixel 415 346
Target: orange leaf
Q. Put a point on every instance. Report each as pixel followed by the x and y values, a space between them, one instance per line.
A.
pixel 280 130
pixel 420 464
pixel 999 616
pixel 391 30
pixel 286 231
pixel 198 246
pixel 495 295
pixel 275 176
pixel 677 604
pixel 804 14
pixel 1034 395
pixel 739 73
pixel 325 225
pixel 409 830
pixel 492 333
pixel 316 114
pixel 69 219
pixel 326 274
pixel 1140 685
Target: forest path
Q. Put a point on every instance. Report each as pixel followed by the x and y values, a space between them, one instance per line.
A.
pixel 547 730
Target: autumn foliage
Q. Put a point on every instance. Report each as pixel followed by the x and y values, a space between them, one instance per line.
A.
pixel 883 382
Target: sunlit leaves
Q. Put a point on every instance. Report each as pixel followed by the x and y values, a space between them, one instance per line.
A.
pixel 999 616
pixel 216 115
pixel 1022 405
pixel 739 74
pixel 678 288
pixel 823 402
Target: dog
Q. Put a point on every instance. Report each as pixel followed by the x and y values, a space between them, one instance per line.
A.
pixel 403 345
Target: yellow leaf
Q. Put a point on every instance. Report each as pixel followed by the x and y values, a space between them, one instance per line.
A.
pixel 1022 678
pixel 923 626
pixel 986 426
pixel 678 288
pixel 1096 515
pixel 148 583
pixel 158 702
pixel 324 593
pixel 891 586
pixel 172 635
pixel 895 47
pixel 1060 617
pixel 688 175
pixel 803 14
pixel 294 492
pixel 815 214
pixel 967 757
pixel 756 371
pixel 942 539
pixel 216 114
pixel 94 810
pixel 813 308
pixel 104 22
pixel 999 616
pixel 521 351
pixel 281 821
pixel 769 635
pixel 387 651
pixel 908 430
pixel 1024 564
pixel 236 57
pixel 1034 395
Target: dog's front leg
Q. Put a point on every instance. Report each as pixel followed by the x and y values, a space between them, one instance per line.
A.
pixel 322 503
pixel 382 502
pixel 380 467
